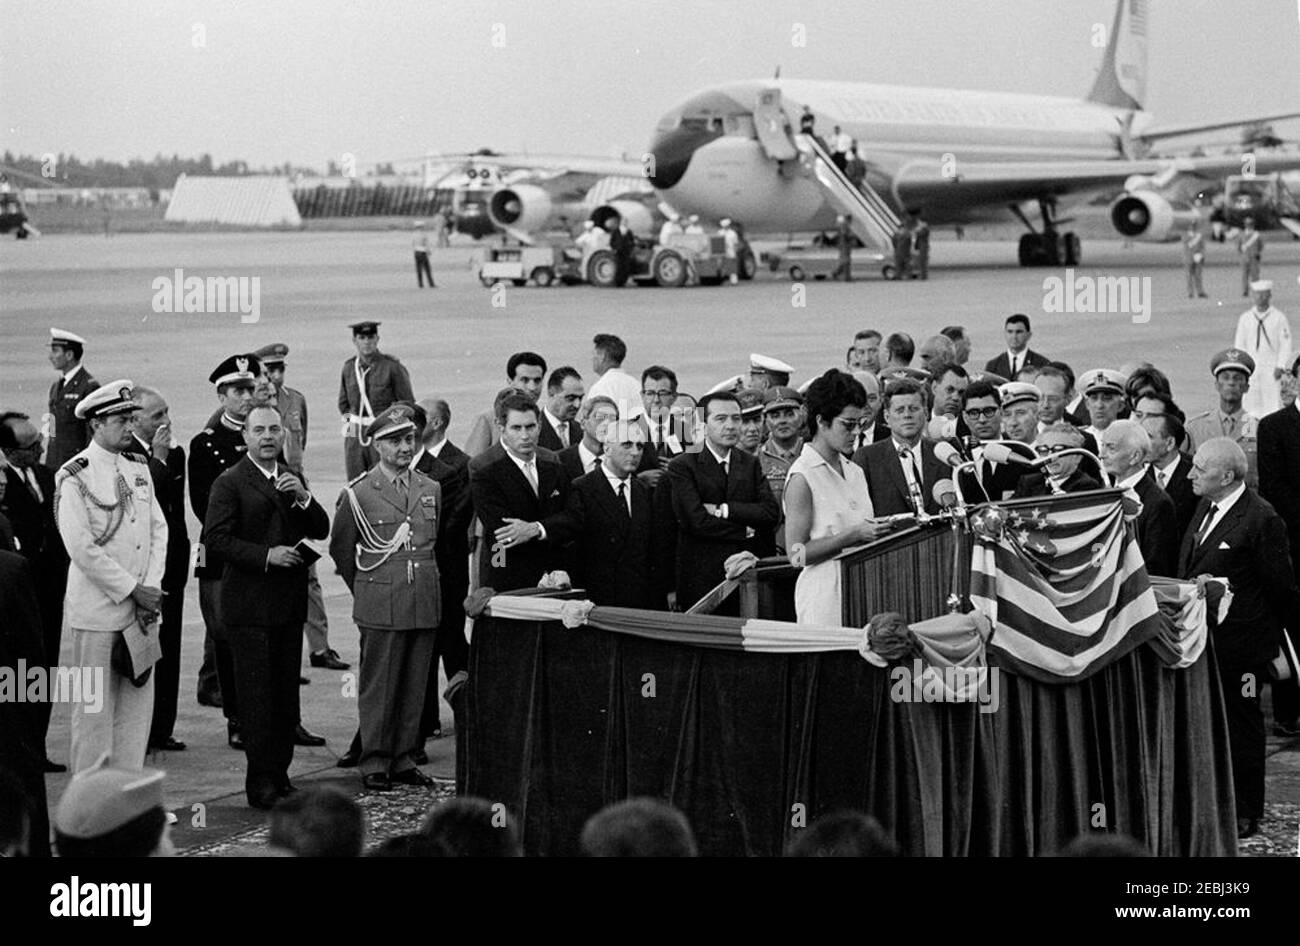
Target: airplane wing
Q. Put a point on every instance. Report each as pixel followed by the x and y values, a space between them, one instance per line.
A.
pixel 549 164
pixel 1175 131
pixel 972 184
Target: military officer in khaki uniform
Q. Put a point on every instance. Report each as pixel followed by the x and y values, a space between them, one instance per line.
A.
pixel 385 528
pixel 1232 369
pixel 1250 245
pixel 371 381
pixel 784 418
pixel 116 535
pixel 67 434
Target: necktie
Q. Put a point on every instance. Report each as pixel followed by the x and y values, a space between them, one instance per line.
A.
pixel 1259 332
pixel 400 483
pixel 530 471
pixel 1204 530
pixel 35 487
pixel 914 487
pixel 1015 359
pixel 622 498
pixel 563 431
pixel 725 471
pixel 1229 425
pixel 1160 478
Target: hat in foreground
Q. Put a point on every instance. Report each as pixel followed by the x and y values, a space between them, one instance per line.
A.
pixel 104 797
pixel 112 398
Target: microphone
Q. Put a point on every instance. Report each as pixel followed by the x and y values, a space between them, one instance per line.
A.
pixel 998 452
pixel 948 455
pixel 945 494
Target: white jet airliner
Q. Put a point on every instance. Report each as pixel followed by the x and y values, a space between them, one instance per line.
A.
pixel 959 156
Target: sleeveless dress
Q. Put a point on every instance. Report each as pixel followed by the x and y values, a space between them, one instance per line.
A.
pixel 839 504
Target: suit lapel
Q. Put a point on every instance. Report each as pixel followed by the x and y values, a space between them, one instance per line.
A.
pixel 260 482
pixel 614 507
pixel 894 465
pixel 1224 525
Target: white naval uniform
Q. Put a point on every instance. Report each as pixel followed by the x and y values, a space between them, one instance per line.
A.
pixel 98 602
pixel 1268 341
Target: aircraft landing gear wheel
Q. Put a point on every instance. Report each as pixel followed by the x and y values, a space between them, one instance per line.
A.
pixel 888 271
pixel 670 270
pixel 1053 252
pixel 487 281
pixel 1073 249
pixel 796 274
pixel 543 276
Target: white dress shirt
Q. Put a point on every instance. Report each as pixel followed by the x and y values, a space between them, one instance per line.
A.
pixel 1224 504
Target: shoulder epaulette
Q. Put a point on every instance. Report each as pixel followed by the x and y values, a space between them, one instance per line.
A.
pixel 135 456
pixel 72 467
pixel 358 478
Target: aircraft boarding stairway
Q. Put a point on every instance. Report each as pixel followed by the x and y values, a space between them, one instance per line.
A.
pixel 872 220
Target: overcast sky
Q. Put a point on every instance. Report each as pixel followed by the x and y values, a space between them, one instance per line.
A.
pixel 307 81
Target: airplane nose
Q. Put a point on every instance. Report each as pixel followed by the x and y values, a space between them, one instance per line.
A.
pixel 672 152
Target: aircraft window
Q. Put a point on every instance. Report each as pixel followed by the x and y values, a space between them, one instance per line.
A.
pixel 696 124
pixel 740 126
pixel 669 122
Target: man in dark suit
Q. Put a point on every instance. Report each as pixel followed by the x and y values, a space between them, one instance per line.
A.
pixel 1170 466
pixel 27 501
pixel 1125 447
pixel 153 434
pixel 449 466
pixel 990 481
pixel 901 471
pixel 22 724
pixel 583 456
pixel 871 425
pixel 257 513
pixel 1060 474
pixel 1238 536
pixel 68 434
pixel 517 492
pixel 721 501
pixel 1279 483
pixel 610 521
pixel 1018 355
pixel 558 429
pixel 668 431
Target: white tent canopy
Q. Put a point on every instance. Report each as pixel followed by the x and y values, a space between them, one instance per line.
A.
pixel 238 201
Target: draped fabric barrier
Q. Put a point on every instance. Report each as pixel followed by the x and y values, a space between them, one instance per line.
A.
pixel 754 728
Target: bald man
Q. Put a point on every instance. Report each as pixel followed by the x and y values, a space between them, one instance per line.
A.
pixel 937 350
pixel 1240 537
pixel 1125 446
pixel 870 427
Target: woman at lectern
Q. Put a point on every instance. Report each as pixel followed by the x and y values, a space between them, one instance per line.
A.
pixel 827 506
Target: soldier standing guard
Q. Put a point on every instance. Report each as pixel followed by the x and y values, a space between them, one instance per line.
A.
pixel 371 382
pixel 1250 244
pixel 420 244
pixel 385 528
pixel 67 435
pixel 1232 370
pixel 1194 256
pixel 116 536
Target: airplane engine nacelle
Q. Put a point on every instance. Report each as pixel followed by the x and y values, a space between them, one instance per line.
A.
pixel 1149 217
pixel 641 220
pixel 523 207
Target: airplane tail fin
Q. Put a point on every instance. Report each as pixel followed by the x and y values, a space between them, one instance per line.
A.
pixel 1122 82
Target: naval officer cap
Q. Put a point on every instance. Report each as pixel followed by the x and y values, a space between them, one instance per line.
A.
pixel 901 373
pixel 1102 379
pixel 980 374
pixel 1232 359
pixel 273 354
pixel 59 336
pixel 238 370
pixel 1262 285
pixel 781 396
pixel 365 328
pixel 759 362
pixel 729 385
pixel 396 420
pixel 104 797
pixel 112 398
pixel 1018 392
pixel 751 402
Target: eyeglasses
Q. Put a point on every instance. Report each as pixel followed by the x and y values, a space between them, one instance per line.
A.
pixel 659 395
pixel 1045 449
pixel 981 411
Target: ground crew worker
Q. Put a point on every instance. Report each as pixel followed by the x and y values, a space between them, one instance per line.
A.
pixel 420 243
pixel 920 242
pixel 116 536
pixel 1264 333
pixel 902 240
pixel 67 436
pixel 844 241
pixel 1250 245
pixel 731 248
pixel 371 382
pixel 672 227
pixel 855 169
pixel 1232 370
pixel 1194 257
pixel 385 527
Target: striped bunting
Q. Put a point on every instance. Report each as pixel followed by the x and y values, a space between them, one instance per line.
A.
pixel 1063 582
